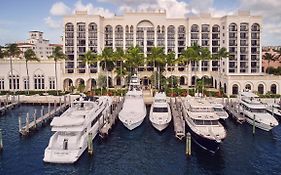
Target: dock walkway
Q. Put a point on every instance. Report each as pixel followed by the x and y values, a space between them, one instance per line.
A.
pixel 179 123
pixel 25 130
pixel 111 118
pixel 7 104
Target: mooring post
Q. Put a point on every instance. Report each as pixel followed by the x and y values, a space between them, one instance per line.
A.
pixel 272 110
pixel 34 118
pixel 1 140
pixel 69 99
pixel 60 101
pixel 188 144
pixel 49 108
pixel 20 126
pixel 64 100
pixel 55 106
pixel 27 123
pixel 7 99
pixel 90 144
pixel 254 125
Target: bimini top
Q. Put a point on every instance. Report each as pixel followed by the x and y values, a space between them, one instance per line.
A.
pixel 248 94
pixel 160 97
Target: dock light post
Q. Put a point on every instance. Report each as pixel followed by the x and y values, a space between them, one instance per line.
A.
pixel 20 123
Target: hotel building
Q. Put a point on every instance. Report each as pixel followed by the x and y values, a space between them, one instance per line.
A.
pixel 240 34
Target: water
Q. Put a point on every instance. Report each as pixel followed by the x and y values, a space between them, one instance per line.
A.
pixel 143 151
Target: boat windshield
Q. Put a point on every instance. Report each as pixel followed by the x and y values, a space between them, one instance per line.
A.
pixel 206 122
pixel 258 110
pixel 202 109
pixel 158 109
pixel 218 109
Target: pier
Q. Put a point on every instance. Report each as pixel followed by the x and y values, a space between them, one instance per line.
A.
pixel 179 123
pixel 9 103
pixel 44 117
pixel 233 110
pixel 111 117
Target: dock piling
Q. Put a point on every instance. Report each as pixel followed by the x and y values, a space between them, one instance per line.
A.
pixel 34 118
pixel 1 140
pixel 27 123
pixel 188 144
pixel 90 144
pixel 20 123
pixel 254 125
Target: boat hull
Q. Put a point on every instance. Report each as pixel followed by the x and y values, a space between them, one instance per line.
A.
pixel 132 126
pixel 159 127
pixel 259 125
pixel 208 144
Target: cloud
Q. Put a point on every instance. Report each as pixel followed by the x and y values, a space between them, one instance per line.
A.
pixel 59 9
pixel 52 23
pixel 79 6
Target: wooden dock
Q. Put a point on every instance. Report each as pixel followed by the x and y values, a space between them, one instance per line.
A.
pixel 7 104
pixel 44 117
pixel 233 110
pixel 111 117
pixel 179 123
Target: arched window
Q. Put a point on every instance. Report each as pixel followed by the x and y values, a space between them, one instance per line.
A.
pixel 39 82
pixel 273 89
pixel 260 89
pixel 182 80
pixel 248 87
pixel 119 36
pixel 255 27
pixel 235 89
pixel 108 34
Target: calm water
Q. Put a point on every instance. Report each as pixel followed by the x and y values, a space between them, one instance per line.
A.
pixel 143 151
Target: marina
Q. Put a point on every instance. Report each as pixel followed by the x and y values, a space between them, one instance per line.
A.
pixel 143 148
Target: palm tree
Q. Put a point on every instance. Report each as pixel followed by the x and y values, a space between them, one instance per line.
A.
pixel 171 61
pixel 29 55
pixel 1 52
pixel 119 56
pixel 107 61
pixel 157 57
pixel 134 58
pixel 269 57
pixel 12 52
pixel 89 58
pixel 187 56
pixel 205 54
pixel 57 55
pixel 278 51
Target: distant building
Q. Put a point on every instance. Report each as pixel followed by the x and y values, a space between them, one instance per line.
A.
pixel 42 47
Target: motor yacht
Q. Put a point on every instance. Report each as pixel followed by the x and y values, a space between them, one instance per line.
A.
pixel 255 111
pixel 134 109
pixel 203 123
pixel 160 112
pixel 72 128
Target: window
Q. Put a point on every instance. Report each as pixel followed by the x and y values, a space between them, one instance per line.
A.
pixel 39 82
pixel 52 83
pixel 25 83
pixel 16 82
pixel 159 109
pixel 2 87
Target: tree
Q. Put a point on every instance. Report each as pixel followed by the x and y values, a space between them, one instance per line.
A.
pixel 269 57
pixel 107 62
pixel 29 55
pixel 171 61
pixel 57 55
pixel 157 58
pixel 134 58
pixel 187 56
pixel 278 51
pixel 12 52
pixel 120 56
pixel 205 55
pixel 89 58
pixel 1 52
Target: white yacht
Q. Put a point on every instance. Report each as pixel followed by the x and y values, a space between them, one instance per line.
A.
pixel 72 128
pixel 160 112
pixel 218 108
pixel 254 110
pixel 274 109
pixel 134 110
pixel 203 123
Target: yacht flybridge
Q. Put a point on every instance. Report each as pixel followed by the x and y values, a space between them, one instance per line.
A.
pixel 254 110
pixel 72 128
pixel 160 112
pixel 134 110
pixel 218 108
pixel 203 123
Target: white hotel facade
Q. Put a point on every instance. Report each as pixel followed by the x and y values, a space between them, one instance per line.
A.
pixel 240 34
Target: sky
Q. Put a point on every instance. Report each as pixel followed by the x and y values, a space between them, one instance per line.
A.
pixel 17 17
